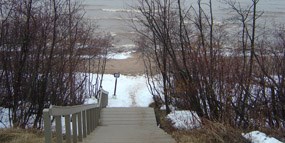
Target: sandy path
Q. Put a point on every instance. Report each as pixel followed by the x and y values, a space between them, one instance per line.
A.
pixel 131 66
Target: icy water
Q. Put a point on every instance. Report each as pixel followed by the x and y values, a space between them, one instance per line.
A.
pixel 114 16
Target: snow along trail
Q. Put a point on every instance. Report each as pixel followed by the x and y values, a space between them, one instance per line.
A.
pixel 132 91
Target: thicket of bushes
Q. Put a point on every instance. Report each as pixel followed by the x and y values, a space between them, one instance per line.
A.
pixel 232 75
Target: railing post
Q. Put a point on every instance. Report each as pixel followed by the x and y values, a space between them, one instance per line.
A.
pixel 58 129
pixel 47 125
pixel 79 115
pixel 84 123
pixel 67 129
pixel 74 127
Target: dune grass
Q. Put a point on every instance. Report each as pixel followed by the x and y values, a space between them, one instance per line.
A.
pixel 21 136
pixel 210 132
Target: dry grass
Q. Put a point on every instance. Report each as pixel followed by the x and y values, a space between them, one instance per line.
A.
pixel 21 136
pixel 210 132
pixel 278 133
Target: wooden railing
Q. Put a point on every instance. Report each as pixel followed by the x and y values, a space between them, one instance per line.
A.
pixel 84 118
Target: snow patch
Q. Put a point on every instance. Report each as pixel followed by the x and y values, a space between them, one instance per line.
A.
pixel 185 120
pixel 170 107
pixel 121 10
pixel 113 34
pixel 260 137
pixel 4 118
pixel 91 100
pixel 125 46
pixel 120 56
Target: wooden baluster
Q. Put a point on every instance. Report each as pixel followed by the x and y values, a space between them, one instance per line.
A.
pixel 74 128
pixel 84 123
pixel 58 128
pixel 93 119
pixel 67 128
pixel 79 115
pixel 88 122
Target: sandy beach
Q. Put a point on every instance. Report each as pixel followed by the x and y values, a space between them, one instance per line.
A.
pixel 132 65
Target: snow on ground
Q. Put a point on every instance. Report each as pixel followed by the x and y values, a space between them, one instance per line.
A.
pixel 125 47
pixel 259 137
pixel 131 91
pixel 120 56
pixel 91 100
pixel 185 120
pixel 4 118
pixel 170 107
pixel 114 56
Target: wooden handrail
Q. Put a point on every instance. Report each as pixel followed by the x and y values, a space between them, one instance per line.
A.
pixel 85 118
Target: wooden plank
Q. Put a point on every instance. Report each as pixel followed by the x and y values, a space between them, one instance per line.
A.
pixel 68 110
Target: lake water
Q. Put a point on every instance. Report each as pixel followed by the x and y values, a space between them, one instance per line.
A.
pixel 114 16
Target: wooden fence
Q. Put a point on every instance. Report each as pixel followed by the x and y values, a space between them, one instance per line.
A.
pixel 84 118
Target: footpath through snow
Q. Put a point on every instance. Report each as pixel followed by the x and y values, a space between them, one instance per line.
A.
pixel 131 91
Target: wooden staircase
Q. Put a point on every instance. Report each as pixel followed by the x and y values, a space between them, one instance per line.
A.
pixel 128 125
